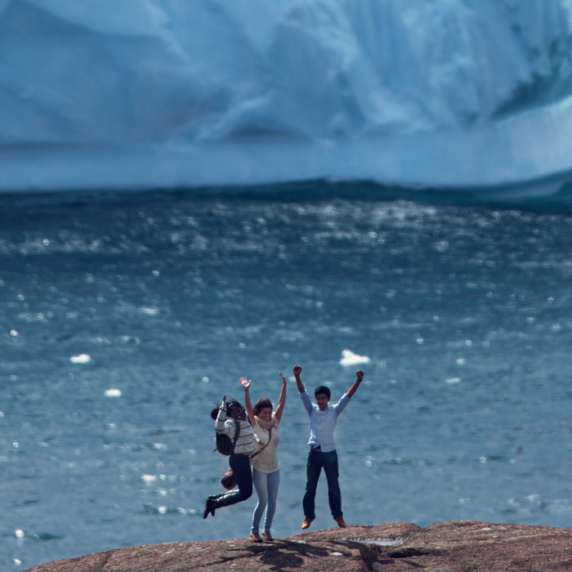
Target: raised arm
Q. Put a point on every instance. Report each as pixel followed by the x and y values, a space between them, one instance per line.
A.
pixel 356 383
pixel 281 399
pixel 297 371
pixel 246 384
pixel 220 426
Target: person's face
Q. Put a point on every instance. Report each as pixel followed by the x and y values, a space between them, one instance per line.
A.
pixel 322 400
pixel 265 414
pixel 236 412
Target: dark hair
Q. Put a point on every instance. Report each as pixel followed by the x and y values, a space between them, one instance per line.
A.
pixel 261 404
pixel 323 389
pixel 231 404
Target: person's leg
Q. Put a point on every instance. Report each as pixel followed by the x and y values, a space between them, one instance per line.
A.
pixel 313 471
pixel 273 480
pixel 334 493
pixel 260 481
pixel 240 464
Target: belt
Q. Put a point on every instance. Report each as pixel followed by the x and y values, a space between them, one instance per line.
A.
pixel 317 449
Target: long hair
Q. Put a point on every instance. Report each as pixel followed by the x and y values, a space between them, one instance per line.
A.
pixel 261 404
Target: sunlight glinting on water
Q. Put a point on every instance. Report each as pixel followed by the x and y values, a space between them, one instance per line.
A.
pixel 122 332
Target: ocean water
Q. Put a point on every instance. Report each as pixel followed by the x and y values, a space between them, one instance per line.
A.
pixel 125 316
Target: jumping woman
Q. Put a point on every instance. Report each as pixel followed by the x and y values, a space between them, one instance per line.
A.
pixel 239 460
pixel 265 469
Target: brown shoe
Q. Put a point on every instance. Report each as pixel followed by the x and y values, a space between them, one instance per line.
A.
pixel 255 536
pixel 307 522
pixel 340 521
pixel 267 536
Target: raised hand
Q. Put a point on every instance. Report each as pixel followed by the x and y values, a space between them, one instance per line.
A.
pixel 297 371
pixel 284 380
pixel 246 384
pixel 360 374
pixel 223 400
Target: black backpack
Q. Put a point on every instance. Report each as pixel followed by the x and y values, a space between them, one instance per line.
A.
pixel 224 444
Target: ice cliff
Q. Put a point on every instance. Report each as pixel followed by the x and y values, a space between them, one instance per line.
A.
pixel 145 93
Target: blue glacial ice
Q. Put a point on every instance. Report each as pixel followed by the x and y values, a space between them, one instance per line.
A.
pixel 161 93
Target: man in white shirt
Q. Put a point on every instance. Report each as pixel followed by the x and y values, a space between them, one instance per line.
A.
pixel 323 419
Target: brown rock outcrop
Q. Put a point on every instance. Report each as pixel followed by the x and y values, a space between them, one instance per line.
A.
pixel 458 546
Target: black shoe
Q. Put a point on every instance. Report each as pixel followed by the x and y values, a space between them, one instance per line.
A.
pixel 209 507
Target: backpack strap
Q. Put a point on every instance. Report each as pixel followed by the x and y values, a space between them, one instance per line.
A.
pixel 236 434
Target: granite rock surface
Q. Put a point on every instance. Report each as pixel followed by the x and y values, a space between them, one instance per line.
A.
pixel 457 546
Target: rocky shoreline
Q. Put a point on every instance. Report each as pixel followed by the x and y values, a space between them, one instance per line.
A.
pixel 457 546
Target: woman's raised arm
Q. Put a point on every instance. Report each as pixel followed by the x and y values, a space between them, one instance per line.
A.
pixel 281 399
pixel 246 384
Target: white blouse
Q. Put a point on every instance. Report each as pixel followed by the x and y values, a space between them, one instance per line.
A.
pixel 267 461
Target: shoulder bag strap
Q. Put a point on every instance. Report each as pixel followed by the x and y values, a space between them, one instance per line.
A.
pixel 260 451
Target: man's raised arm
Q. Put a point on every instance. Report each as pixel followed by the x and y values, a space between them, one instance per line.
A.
pixel 356 383
pixel 297 371
pixel 303 395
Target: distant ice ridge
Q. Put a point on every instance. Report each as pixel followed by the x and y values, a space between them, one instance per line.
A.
pixel 146 93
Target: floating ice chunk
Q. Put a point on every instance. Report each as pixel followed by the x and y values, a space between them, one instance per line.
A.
pixel 454 380
pixel 81 358
pixel 19 533
pixel 149 311
pixel 113 393
pixel 349 358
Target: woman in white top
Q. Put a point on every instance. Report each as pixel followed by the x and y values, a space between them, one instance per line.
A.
pixel 265 469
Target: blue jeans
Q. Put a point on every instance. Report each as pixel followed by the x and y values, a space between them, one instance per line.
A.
pixel 266 485
pixel 240 465
pixel 329 462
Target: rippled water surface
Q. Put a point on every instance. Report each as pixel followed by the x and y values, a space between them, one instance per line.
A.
pixel 124 317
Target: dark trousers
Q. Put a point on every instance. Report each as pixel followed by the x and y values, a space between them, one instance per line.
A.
pixel 329 462
pixel 240 465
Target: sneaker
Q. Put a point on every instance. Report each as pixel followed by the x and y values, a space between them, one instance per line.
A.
pixel 267 536
pixel 307 522
pixel 209 507
pixel 255 536
pixel 340 521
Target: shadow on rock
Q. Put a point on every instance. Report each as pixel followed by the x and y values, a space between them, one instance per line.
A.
pixel 283 556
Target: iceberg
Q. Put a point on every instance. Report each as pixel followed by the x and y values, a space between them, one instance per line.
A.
pixel 350 358
pixel 473 94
